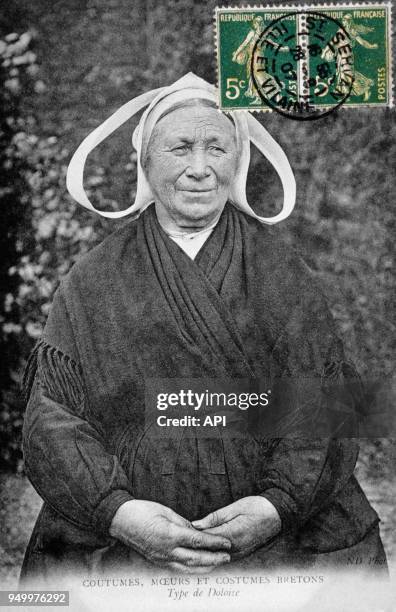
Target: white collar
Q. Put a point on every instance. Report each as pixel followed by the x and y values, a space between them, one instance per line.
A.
pixel 185 235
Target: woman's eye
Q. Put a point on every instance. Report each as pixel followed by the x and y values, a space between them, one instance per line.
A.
pixel 180 149
pixel 216 149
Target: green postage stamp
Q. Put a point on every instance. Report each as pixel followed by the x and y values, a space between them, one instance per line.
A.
pixel 304 61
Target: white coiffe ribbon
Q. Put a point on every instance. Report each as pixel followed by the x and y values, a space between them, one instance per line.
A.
pixel 157 101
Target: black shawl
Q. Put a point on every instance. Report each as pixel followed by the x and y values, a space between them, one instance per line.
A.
pixel 137 308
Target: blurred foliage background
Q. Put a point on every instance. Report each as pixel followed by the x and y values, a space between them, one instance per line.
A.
pixel 65 66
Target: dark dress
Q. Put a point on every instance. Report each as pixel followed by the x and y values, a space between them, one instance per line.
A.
pixel 137 309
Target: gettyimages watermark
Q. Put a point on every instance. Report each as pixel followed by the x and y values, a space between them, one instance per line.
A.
pixel 204 401
pixel 196 401
pixel 284 407
pixel 207 404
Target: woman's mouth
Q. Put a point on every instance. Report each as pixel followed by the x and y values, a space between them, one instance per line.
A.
pixel 197 190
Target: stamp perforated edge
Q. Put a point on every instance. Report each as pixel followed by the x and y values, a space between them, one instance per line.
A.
pixel 387 5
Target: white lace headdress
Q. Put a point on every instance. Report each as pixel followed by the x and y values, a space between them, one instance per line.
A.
pixel 157 101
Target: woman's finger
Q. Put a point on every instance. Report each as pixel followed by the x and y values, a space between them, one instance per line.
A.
pixel 192 538
pixel 199 558
pixel 226 530
pixel 214 519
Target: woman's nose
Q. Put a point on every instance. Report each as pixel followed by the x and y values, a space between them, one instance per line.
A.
pixel 198 166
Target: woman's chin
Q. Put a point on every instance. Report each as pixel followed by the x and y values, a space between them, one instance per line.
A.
pixel 198 210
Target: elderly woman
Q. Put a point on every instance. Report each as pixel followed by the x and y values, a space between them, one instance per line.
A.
pixel 197 286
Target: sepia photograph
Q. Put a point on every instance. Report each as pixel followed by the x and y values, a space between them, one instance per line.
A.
pixel 197 306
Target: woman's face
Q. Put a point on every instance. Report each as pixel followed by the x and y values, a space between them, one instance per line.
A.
pixel 190 163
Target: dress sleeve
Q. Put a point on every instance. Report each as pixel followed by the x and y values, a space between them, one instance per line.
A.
pixel 315 460
pixel 64 450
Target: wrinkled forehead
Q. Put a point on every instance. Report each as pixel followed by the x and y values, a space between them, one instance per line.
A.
pixel 194 120
pixel 195 113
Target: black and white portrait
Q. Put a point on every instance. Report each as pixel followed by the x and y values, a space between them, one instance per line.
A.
pixel 167 260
